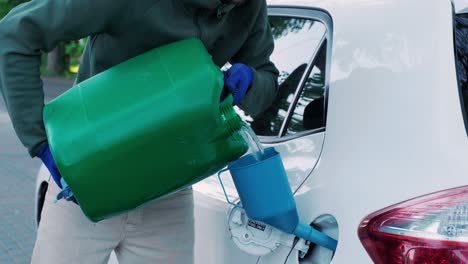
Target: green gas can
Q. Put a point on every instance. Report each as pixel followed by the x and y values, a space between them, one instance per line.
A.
pixel 143 129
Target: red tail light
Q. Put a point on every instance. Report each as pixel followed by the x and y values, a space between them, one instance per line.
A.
pixel 428 229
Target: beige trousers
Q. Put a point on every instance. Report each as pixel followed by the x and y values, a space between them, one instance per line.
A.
pixel 160 232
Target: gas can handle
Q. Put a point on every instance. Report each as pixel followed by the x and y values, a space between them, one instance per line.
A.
pixel 224 190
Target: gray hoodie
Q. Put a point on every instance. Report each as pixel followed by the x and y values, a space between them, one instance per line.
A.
pixel 122 29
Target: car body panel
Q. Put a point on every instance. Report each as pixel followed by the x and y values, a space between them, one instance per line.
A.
pixel 395 128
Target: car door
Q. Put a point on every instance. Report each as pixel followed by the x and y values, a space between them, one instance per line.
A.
pixel 294 124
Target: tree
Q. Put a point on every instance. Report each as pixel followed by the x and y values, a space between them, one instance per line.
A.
pixel 57 60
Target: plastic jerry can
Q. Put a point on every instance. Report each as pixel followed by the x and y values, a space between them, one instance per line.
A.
pixel 143 129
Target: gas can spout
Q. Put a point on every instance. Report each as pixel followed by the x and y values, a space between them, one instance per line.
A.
pixel 311 234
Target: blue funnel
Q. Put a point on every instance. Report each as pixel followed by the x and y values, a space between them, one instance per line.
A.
pixel 266 196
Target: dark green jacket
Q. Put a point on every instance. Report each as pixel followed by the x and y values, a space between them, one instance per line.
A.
pixel 122 29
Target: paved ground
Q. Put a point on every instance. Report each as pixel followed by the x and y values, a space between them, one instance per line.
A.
pixel 17 180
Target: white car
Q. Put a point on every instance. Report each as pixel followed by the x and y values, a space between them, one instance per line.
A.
pixel 370 121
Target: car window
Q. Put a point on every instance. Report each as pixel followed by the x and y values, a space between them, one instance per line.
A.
pixel 461 56
pixel 296 43
pixel 309 111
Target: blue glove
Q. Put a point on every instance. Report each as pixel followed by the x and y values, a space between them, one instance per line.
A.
pixel 237 81
pixel 46 156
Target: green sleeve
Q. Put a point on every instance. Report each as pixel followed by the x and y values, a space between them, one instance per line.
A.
pixel 35 27
pixel 256 53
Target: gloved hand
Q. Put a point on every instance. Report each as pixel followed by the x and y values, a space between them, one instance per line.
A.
pixel 46 156
pixel 237 81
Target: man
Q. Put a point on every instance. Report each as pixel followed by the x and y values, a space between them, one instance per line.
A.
pixel 234 31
